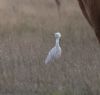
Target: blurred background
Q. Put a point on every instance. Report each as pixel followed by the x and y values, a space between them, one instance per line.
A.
pixel 27 30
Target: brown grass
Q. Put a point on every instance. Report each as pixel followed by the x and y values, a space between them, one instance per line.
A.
pixel 27 30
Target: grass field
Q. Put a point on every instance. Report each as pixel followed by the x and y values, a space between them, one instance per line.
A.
pixel 27 30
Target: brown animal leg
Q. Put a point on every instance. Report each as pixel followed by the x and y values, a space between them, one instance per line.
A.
pixel 58 2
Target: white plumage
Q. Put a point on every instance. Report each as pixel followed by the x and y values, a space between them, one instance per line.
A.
pixel 55 52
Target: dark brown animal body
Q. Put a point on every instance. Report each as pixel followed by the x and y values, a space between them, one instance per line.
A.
pixel 91 11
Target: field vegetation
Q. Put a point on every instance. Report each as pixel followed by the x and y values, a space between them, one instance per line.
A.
pixel 27 30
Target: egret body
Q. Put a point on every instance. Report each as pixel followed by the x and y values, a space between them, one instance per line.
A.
pixel 55 52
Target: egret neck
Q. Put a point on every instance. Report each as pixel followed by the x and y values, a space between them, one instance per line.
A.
pixel 57 42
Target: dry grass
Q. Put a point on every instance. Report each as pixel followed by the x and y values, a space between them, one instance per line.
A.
pixel 27 30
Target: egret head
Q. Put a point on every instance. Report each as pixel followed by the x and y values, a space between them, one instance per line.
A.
pixel 57 35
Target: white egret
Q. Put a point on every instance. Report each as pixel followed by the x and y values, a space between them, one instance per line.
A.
pixel 55 52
